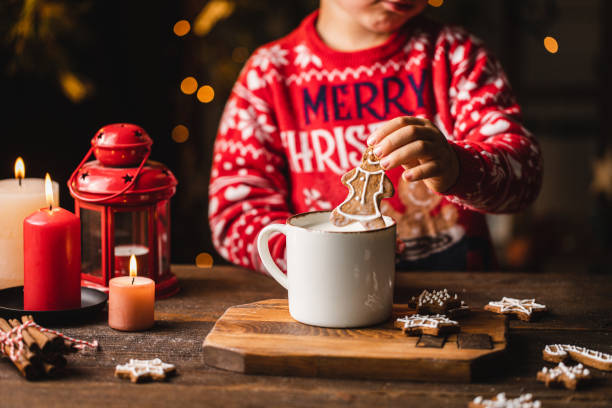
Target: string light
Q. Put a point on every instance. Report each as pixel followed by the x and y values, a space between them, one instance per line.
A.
pixel 211 13
pixel 181 28
pixel 435 3
pixel 74 88
pixel 204 260
pixel 206 94
pixel 180 134
pixel 551 45
pixel 189 85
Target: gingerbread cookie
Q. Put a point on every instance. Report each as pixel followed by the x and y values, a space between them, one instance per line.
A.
pixel 569 377
pixel 500 401
pixel 438 302
pixel 434 325
pixel 141 370
pixel 524 309
pixel 367 185
pixel 560 352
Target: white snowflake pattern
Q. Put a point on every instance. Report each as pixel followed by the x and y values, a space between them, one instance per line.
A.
pixel 253 124
pixel 311 198
pixel 253 80
pixel 228 120
pixel 305 56
pixel 274 55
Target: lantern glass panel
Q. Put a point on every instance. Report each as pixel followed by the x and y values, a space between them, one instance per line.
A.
pixel 91 242
pixel 163 236
pixel 132 238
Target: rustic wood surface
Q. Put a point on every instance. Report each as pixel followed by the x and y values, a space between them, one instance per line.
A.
pixel 580 314
pixel 262 338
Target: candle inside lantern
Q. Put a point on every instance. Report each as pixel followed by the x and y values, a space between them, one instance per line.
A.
pixel 19 197
pixel 131 301
pixel 52 258
pixel 123 255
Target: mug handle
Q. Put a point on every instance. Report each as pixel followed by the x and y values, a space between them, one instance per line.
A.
pixel 266 257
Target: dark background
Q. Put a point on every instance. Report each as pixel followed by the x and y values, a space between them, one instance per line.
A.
pixel 68 68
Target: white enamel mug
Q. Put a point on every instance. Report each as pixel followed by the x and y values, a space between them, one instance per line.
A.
pixel 334 279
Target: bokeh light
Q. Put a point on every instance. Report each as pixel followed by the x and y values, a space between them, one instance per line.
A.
pixel 435 3
pixel 189 85
pixel 180 134
pixel 181 27
pixel 551 45
pixel 204 260
pixel 206 94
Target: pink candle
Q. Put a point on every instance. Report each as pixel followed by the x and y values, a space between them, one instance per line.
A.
pixel 52 258
pixel 131 301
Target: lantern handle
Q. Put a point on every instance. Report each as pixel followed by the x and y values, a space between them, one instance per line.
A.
pixel 71 180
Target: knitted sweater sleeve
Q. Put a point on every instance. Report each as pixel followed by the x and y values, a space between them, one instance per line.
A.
pixel 500 161
pixel 248 188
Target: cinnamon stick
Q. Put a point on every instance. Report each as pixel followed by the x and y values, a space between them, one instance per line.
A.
pixel 56 359
pixel 46 341
pixel 27 352
pixel 25 366
pixel 50 369
pixel 27 338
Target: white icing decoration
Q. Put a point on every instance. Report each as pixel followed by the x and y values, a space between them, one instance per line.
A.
pixel 517 305
pixel 358 217
pixel 438 297
pixel 500 401
pixel 570 372
pixel 431 321
pixel 563 349
pixel 138 368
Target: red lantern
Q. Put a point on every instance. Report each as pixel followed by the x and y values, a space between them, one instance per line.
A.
pixel 123 201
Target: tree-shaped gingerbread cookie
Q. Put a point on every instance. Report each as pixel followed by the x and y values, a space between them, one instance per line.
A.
pixel 367 185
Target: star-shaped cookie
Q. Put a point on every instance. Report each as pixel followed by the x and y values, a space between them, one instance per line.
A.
pixel 557 353
pixel 521 308
pixel 569 377
pixel 433 325
pixel 500 401
pixel 141 370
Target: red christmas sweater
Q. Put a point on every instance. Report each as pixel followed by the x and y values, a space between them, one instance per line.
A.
pixel 298 118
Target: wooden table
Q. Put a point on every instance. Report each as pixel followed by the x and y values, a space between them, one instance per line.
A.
pixel 580 313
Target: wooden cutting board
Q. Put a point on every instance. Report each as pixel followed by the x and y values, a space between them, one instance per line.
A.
pixel 262 338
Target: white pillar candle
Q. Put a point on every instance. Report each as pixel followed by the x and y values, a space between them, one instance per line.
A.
pixel 16 203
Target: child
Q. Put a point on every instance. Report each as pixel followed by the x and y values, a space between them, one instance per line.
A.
pixel 436 106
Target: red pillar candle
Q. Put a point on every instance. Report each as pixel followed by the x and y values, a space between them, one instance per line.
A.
pixel 52 260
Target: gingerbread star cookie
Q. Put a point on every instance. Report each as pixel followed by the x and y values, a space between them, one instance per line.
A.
pixel 367 185
pixel 438 302
pixel 569 377
pixel 142 370
pixel 524 309
pixel 560 352
pixel 500 401
pixel 434 325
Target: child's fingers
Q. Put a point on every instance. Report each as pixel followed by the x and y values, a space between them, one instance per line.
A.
pixel 408 153
pixel 395 140
pixel 393 125
pixel 423 171
pixel 402 137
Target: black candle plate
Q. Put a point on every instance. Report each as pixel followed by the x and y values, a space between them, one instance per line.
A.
pixel 92 302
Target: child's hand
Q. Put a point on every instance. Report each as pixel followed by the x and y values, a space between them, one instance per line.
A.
pixel 418 146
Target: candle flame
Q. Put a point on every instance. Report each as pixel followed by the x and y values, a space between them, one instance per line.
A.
pixel 133 266
pixel 49 190
pixel 19 168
